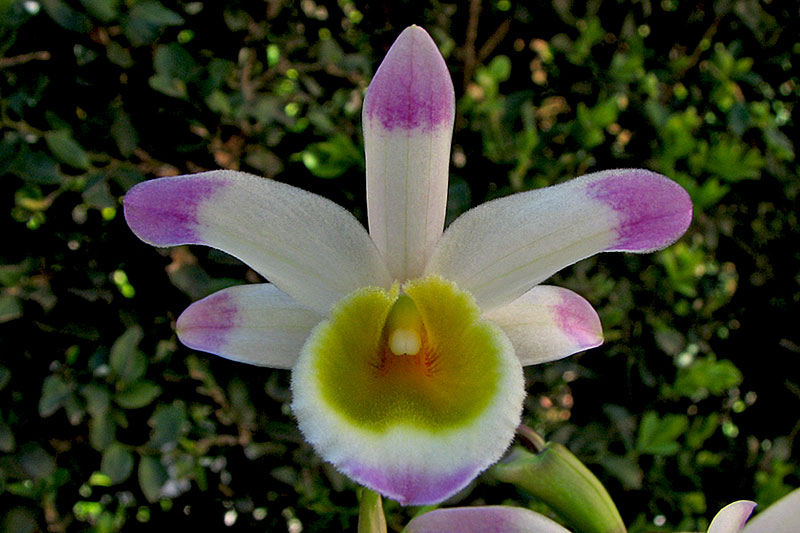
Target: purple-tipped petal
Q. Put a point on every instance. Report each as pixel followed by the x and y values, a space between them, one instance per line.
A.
pixel 164 212
pixel 408 123
pixel 652 211
pixel 502 248
pixel 256 324
pixel 732 517
pixel 490 519
pixel 548 323
pixel 309 247
pixel 782 516
pixel 412 88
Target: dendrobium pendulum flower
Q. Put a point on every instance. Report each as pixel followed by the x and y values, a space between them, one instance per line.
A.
pixel 406 345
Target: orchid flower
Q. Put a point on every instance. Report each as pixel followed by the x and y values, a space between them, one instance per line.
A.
pixel 406 344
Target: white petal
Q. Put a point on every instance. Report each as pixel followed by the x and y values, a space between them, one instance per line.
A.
pixel 502 248
pixel 408 124
pixel 732 517
pixel 489 519
pixel 311 248
pixel 782 516
pixel 548 323
pixel 256 324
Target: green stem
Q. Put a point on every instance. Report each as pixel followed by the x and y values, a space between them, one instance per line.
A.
pixel 370 512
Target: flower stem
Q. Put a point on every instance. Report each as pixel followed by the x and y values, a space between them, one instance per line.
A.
pixel 370 512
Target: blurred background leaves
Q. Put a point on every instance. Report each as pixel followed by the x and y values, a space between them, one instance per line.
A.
pixel 108 424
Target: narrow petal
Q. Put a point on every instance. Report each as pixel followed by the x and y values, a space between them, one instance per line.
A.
pixel 782 516
pixel 408 124
pixel 256 324
pixel 502 248
pixel 490 519
pixel 416 427
pixel 732 517
pixel 309 247
pixel 548 323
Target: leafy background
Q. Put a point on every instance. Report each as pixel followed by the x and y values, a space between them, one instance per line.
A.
pixel 107 423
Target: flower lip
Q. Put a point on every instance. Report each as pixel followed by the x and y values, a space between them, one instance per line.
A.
pixel 391 421
pixel 444 381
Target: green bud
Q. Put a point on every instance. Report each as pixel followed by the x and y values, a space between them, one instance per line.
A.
pixel 556 477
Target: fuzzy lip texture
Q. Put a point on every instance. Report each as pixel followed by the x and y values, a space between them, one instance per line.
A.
pixel 332 283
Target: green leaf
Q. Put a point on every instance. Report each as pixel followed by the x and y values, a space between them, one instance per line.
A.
pixel 174 67
pixel 732 160
pixel 20 520
pixel 702 428
pixel 36 462
pixel 64 147
pixel 10 308
pixel 5 376
pixel 7 441
pixel 137 395
pixel 117 463
pixel 146 21
pixel 332 158
pixel 173 61
pixel 36 167
pixel 55 393
pixel 123 132
pixel 169 422
pixel 169 86
pixel 119 55
pixel 98 196
pixel 102 431
pixel 105 10
pixel 98 399
pixel 658 436
pixel 66 17
pixel 152 477
pixel 126 361
pixel 155 13
pixel 706 376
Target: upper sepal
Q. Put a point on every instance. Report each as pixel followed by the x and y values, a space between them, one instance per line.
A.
pixel 412 87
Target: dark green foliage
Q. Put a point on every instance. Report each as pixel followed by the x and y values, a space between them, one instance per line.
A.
pixel 108 424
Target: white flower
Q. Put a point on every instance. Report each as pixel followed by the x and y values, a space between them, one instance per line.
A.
pixel 406 344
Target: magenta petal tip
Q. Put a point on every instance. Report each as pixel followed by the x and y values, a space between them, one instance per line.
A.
pixel 163 212
pixel 204 324
pixel 412 87
pixel 654 211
